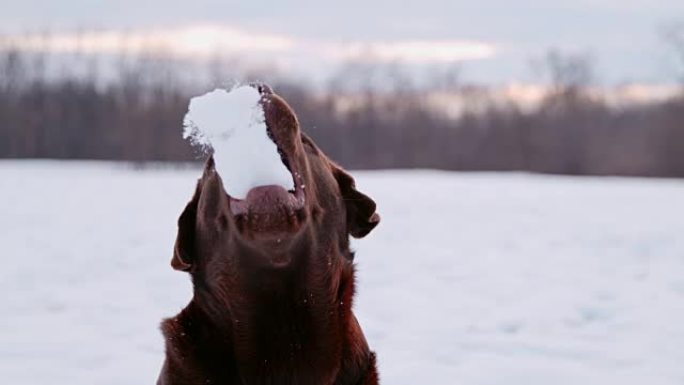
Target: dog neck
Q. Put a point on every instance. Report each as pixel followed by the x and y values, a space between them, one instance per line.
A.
pixel 271 324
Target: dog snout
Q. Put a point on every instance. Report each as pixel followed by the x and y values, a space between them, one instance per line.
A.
pixel 281 122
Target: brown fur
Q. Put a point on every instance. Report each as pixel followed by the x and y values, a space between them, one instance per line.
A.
pixel 275 308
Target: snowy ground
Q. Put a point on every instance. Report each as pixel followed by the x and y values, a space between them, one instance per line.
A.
pixel 470 278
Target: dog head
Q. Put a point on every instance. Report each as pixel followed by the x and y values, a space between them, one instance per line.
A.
pixel 272 228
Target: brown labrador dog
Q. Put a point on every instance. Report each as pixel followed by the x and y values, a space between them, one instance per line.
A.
pixel 273 275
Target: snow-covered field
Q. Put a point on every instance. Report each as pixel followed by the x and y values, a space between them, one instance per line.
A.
pixel 470 278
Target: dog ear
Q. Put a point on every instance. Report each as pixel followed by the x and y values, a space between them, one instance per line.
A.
pixel 207 206
pixel 184 249
pixel 361 215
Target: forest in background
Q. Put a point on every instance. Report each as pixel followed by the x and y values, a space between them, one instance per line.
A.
pixel 137 117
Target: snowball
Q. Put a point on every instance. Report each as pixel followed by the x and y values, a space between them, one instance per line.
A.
pixel 232 123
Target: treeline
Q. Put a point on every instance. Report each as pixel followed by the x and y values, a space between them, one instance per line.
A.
pixel 570 131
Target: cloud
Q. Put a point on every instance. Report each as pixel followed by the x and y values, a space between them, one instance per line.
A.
pixel 206 40
pixel 194 41
pixel 415 51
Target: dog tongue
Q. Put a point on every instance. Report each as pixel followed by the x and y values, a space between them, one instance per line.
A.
pixel 232 123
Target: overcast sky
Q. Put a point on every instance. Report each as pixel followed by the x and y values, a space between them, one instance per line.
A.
pixel 622 35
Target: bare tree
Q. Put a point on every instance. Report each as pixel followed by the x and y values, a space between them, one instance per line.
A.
pixel 13 69
pixel 358 123
pixel 673 35
pixel 566 73
pixel 446 79
pixel 561 131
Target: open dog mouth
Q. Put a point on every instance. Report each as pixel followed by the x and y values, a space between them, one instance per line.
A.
pixel 259 172
pixel 271 209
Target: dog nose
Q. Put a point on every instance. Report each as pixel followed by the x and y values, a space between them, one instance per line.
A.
pixel 263 88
